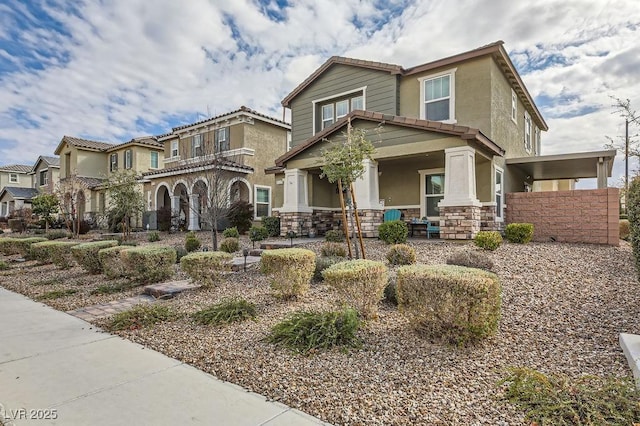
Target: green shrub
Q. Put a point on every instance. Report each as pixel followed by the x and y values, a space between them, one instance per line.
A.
pixel 307 332
pixel 112 288
pixel 323 263
pixel 559 400
pixel 401 254
pixel 258 233
pixel 240 215
pixel 230 245
pixel 633 212
pixel 231 232
pixel 225 312
pixel 359 283
pixel 272 223
pixel 290 270
pixel 141 316
pixel 149 264
pixel 471 259
pixel 128 243
pixel 86 254
pixel 153 236
pixel 206 267
pixel 624 229
pixel 393 232
pixel 334 236
pixel 333 250
pixel 391 293
pixel 488 240
pixel 450 303
pixel 56 294
pixel 55 251
pixel 21 246
pixel 57 234
pixel 4 265
pixel 191 242
pixel 111 261
pixel 520 233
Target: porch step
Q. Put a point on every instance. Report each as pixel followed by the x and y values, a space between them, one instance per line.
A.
pixel 169 289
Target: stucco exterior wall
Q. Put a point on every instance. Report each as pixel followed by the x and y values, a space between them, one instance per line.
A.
pixel 53 176
pixel 89 163
pixel 24 180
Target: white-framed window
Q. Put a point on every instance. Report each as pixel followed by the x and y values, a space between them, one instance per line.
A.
pixel 44 177
pixel 174 148
pixel 342 108
pixel 499 190
pixel 262 201
pixel 527 132
pixel 154 159
pixel 437 97
pixel 113 162
pixel 327 116
pixel 289 145
pixel 128 159
pixel 222 140
pixel 13 177
pixel 514 106
pixel 432 190
pixel 196 146
pixel 357 102
pixel 538 141
pixel 327 111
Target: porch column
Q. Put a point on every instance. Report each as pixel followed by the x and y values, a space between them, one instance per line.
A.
pixel 194 219
pixel 366 187
pixel 295 214
pixel 603 167
pixel 175 204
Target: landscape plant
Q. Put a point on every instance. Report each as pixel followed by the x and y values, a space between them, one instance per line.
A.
pixel 334 236
pixel 10 246
pixel 323 262
pixel 86 254
pixel 290 270
pixel 633 212
pixel 488 240
pixel 272 223
pixel 144 315
pixel 258 233
pixel 230 245
pixel 333 250
pixel 240 215
pixel 154 236
pixel 225 312
pixel 401 254
pixel 55 251
pixel 206 267
pixel 471 259
pixel 191 242
pixel 520 233
pixel 111 261
pixel 393 232
pixel 231 232
pixel 45 205
pixel 149 264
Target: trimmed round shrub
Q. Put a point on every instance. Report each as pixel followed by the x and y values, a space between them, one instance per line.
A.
pixel 231 232
pixel 230 245
pixel 333 250
pixel 56 252
pixel 401 254
pixel 240 215
pixel 359 283
pixel 334 236
pixel 393 232
pixel 153 236
pixel 57 234
pixel 471 259
pixel 450 303
pixel 258 233
pixel 21 246
pixel 149 264
pixel 323 263
pixel 272 223
pixel 488 240
pixel 391 292
pixel 86 254
pixel 111 262
pixel 520 233
pixel 290 270
pixel 624 229
pixel 191 242
pixel 206 267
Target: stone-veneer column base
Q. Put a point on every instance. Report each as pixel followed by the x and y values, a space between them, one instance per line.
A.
pixel 369 222
pixel 298 222
pixel 459 222
pixel 488 220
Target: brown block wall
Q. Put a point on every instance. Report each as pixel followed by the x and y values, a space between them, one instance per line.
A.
pixel 579 216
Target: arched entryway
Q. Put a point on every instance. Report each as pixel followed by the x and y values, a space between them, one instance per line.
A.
pixel 199 205
pixel 181 214
pixel 239 189
pixel 163 207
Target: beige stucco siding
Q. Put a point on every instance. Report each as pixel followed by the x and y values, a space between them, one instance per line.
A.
pixel 24 180
pixel 91 163
pixel 381 95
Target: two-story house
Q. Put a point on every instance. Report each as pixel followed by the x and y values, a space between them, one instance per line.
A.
pixel 15 188
pixel 45 174
pixel 230 150
pixel 452 136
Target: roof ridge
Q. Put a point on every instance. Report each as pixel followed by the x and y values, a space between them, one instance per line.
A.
pixel 241 109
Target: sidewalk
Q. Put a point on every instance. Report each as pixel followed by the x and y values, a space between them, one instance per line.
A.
pixel 57 369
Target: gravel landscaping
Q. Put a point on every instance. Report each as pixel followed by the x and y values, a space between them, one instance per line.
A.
pixel 563 307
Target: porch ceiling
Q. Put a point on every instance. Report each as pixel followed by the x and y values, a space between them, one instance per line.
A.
pixel 564 166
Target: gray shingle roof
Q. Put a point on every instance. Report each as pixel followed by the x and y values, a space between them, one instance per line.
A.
pixel 52 161
pixel 20 168
pixel 21 193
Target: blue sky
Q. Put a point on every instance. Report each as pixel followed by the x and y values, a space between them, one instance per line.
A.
pixel 114 70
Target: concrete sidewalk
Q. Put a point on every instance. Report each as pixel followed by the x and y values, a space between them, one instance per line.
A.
pixel 57 369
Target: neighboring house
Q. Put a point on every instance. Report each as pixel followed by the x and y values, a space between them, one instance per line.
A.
pixel 45 174
pixel 85 165
pixel 238 146
pixel 15 198
pixel 12 176
pixel 452 137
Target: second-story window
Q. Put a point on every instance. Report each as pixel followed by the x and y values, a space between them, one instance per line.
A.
pixel 44 178
pixel 222 140
pixel 13 178
pixel 128 159
pixel 438 97
pixel 289 145
pixel 154 160
pixel 527 132
pixel 334 109
pixel 113 162
pixel 174 148
pixel 196 146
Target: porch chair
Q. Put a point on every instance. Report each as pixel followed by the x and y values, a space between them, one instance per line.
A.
pixel 432 229
pixel 390 215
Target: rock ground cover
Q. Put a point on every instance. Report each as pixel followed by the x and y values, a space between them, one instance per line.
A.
pixel 563 307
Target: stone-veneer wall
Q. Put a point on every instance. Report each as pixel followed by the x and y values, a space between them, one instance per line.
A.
pixel 488 219
pixel 325 220
pixel 408 214
pixel 578 216
pixel 300 223
pixel 459 222
pixel 369 222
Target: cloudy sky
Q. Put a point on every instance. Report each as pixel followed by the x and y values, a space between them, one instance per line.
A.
pixel 112 70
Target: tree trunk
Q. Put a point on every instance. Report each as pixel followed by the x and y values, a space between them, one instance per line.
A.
pixel 359 226
pixel 345 224
pixel 350 201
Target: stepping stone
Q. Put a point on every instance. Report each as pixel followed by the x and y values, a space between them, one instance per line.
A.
pixel 169 289
pixel 237 264
pixel 255 252
pixel 103 310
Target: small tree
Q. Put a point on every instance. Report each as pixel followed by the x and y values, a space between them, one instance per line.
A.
pixel 343 164
pixel 45 205
pixel 629 144
pixel 70 194
pixel 125 199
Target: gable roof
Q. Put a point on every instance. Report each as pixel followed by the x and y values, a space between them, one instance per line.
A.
pixel 150 141
pixel 467 133
pixel 15 168
pixel 50 161
pixel 82 143
pixel 19 193
pixel 200 165
pixel 242 109
pixel 496 50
